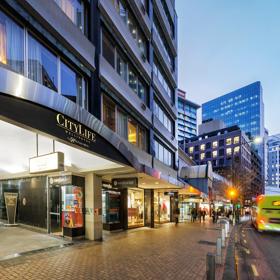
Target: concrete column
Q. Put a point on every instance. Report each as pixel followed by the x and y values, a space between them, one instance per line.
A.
pixel 93 206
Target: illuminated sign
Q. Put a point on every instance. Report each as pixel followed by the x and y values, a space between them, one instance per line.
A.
pixel 276 203
pixel 47 163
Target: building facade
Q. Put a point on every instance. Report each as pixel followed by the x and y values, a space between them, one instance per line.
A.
pixel 187 117
pixel 93 83
pixel 229 151
pixel 273 166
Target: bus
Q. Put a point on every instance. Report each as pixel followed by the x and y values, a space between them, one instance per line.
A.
pixel 266 213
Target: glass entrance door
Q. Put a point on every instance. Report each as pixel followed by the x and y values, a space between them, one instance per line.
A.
pixel 55 210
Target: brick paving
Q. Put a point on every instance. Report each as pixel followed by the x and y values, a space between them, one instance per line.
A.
pixel 168 252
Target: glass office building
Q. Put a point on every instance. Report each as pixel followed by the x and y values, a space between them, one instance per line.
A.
pixel 187 117
pixel 243 107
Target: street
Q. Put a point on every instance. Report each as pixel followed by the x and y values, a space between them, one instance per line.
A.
pixel 258 254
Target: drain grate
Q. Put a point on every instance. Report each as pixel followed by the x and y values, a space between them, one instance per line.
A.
pixel 205 242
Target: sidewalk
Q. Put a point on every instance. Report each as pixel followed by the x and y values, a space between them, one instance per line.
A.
pixel 168 252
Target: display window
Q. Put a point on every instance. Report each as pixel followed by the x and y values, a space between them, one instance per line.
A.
pixel 161 207
pixel 111 204
pixel 72 206
pixel 135 207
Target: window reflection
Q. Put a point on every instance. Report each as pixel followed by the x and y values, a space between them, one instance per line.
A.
pixel 42 64
pixel 11 44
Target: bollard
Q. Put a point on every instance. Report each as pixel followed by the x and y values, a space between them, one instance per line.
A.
pixel 210 266
pixel 219 251
pixel 223 238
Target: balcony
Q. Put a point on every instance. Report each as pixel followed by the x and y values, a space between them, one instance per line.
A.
pixel 62 27
pixel 161 55
pixel 123 33
pixel 142 16
pixel 112 79
pixel 166 26
pixel 164 97
pixel 165 133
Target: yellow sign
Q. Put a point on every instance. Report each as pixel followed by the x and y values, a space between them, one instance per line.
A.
pixel 276 203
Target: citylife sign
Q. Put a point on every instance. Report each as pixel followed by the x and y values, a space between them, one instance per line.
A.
pixel 47 163
pixel 76 132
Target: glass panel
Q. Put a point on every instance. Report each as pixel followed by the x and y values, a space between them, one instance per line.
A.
pixel 121 10
pixel 42 64
pixel 135 207
pixel 141 138
pixel 109 118
pixel 141 91
pixel 72 206
pixel 108 50
pixel 11 44
pixel 71 84
pixel 132 80
pixel 121 67
pixel 74 9
pixel 111 204
pixel 122 124
pixel 132 27
pixel 132 132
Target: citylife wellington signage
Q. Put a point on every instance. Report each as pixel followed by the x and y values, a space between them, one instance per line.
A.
pixel 47 163
pixel 76 132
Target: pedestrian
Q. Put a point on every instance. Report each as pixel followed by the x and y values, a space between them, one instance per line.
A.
pixel 199 214
pixel 177 214
pixel 213 216
pixel 192 215
pixel 203 214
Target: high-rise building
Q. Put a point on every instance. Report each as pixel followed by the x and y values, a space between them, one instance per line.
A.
pixel 93 83
pixel 187 117
pixel 273 164
pixel 229 151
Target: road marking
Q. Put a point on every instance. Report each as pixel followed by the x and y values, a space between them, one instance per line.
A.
pixel 256 274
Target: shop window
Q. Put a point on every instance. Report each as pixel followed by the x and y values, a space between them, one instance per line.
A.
pixel 111 204
pixel 108 49
pixel 42 64
pixel 215 144
pixel 215 154
pixel 162 208
pixel 236 140
pixel 11 44
pixel 122 124
pixel 190 150
pixel 132 132
pixel 74 9
pixel 109 111
pixel 228 141
pixel 135 207
pixel 72 86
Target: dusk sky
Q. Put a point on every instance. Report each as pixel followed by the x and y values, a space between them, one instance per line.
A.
pixel 227 44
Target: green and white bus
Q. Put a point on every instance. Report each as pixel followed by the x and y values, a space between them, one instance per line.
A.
pixel 266 213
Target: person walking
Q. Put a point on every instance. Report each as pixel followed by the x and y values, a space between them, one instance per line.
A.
pixel 203 214
pixel 213 216
pixel 192 215
pixel 177 215
pixel 200 214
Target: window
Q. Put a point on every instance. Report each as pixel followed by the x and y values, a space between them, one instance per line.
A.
pixel 108 49
pixel 109 111
pixel 236 140
pixel 11 44
pixel 162 116
pixel 142 138
pixel 215 154
pixel 190 150
pixel 120 7
pixel 228 151
pixel 228 141
pixel 163 154
pixel 132 80
pixel 122 124
pixel 202 156
pixel 132 132
pixel 221 152
pixel 72 86
pixel 215 144
pixel 202 147
pixel 42 64
pixel 236 150
pixel 221 142
pixel 121 66
pixel 74 9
